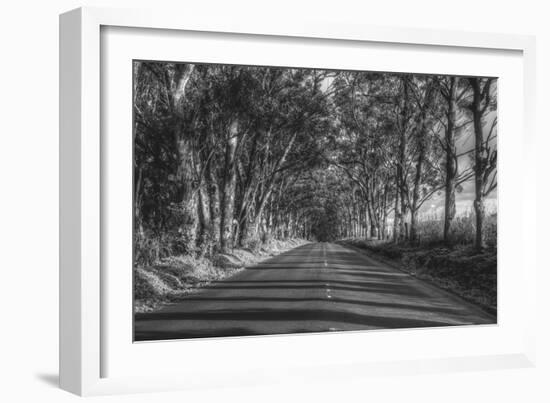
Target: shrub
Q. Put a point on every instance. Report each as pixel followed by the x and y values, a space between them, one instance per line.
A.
pixel 254 245
pixel 266 237
pixel 490 231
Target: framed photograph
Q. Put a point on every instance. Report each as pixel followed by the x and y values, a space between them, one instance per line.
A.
pixel 247 201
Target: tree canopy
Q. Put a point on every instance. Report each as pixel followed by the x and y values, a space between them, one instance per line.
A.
pixel 229 156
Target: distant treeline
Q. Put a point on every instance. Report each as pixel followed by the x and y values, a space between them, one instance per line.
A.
pixel 229 156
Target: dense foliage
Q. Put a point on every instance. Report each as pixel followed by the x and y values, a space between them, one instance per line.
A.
pixel 228 156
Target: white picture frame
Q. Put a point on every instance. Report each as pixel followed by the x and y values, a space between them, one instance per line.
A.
pixel 83 307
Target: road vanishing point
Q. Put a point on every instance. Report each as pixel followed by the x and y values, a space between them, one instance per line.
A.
pixel 316 287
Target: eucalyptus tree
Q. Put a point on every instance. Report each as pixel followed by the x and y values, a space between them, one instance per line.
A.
pixel 481 103
pixel 453 123
pixel 402 112
pixel 162 152
pixel 231 155
pixel 425 180
pixel 291 114
pixel 365 142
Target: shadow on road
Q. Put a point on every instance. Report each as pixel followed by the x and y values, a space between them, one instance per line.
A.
pixel 308 289
pixel 276 315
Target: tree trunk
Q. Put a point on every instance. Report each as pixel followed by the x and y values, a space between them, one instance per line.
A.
pixel 213 204
pixel 188 202
pixel 479 162
pixel 384 226
pixel 138 199
pixel 397 216
pixel 372 223
pixel 138 217
pixel 184 154
pixel 402 234
pixel 204 220
pixel 421 137
pixel 367 221
pixel 244 229
pixel 228 191
pixel 252 227
pixel 450 161
pixel 403 228
pixel 248 194
pixel 416 195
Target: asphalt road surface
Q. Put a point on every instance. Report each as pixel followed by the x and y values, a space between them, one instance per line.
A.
pixel 316 287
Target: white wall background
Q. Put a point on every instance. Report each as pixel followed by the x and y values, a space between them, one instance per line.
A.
pixel 29 201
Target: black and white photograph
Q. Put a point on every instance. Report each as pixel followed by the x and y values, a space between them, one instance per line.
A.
pixel 284 200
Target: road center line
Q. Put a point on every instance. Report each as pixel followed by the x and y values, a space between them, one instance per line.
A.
pixel 326 265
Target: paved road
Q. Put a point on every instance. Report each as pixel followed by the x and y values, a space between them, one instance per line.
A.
pixel 316 287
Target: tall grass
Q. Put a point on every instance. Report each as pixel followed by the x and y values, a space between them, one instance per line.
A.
pixel 462 232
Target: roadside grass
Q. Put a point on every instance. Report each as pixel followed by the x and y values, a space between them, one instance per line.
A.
pixel 175 276
pixel 459 269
